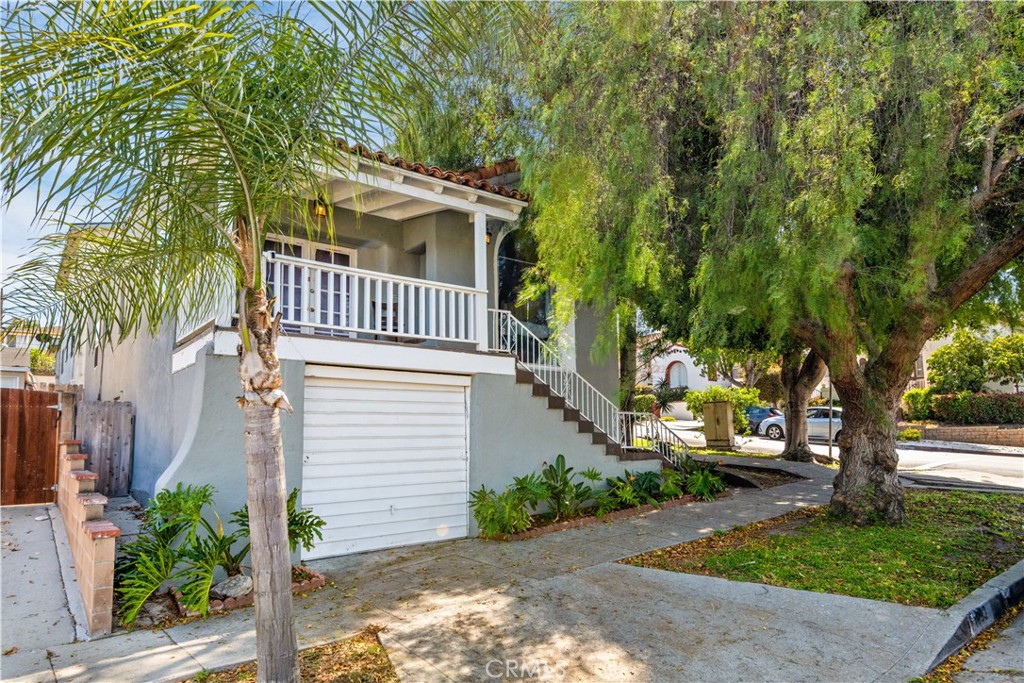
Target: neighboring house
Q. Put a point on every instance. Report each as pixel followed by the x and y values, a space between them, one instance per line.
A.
pixel 17 346
pixel 15 368
pixel 397 354
pixel 677 367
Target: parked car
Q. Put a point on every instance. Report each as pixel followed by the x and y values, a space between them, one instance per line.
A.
pixel 756 415
pixel 817 424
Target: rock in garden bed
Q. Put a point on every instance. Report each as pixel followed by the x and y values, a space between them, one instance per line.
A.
pixel 236 591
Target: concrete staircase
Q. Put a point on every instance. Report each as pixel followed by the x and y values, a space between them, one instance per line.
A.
pixel 584 426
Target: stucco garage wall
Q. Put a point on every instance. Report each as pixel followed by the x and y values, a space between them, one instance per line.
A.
pixel 513 433
pixel 600 368
pixel 213 453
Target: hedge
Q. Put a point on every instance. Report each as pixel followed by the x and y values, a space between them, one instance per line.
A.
pixel 977 409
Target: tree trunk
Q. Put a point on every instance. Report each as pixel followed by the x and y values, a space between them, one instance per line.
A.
pixel 627 366
pixel 260 373
pixel 799 378
pixel 867 488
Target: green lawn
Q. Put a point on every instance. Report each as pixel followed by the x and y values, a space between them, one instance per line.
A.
pixel 742 454
pixel 952 543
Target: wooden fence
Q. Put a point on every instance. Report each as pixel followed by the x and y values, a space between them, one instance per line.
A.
pixel 106 429
pixel 28 452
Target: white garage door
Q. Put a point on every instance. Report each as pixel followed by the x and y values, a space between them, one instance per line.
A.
pixel 385 457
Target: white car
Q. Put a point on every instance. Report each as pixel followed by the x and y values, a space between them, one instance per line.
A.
pixel 817 424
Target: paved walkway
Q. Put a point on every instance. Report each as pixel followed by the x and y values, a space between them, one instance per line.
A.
pixel 557 605
pixel 35 607
pixel 1001 662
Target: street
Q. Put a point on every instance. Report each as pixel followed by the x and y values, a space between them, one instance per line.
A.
pixel 977 468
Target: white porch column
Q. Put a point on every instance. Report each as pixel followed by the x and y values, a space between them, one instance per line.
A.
pixel 480 277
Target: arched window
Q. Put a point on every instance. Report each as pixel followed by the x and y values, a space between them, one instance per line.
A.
pixel 676 375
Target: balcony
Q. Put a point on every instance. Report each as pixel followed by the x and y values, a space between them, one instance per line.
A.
pixel 328 300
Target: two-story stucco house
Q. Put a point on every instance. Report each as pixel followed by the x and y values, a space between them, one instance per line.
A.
pixel 412 378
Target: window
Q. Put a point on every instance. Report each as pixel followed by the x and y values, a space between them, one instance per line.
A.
pixel 676 375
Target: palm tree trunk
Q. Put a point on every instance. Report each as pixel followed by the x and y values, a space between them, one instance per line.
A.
pixel 260 373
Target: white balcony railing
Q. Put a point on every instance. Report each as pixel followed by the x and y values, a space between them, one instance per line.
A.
pixel 322 298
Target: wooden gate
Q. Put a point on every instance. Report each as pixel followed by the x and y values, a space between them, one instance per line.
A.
pixel 28 446
pixel 106 429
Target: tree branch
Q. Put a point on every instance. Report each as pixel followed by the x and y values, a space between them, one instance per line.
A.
pixel 991 170
pixel 971 280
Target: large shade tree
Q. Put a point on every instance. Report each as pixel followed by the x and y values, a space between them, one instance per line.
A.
pixel 868 184
pixel 846 176
pixel 183 130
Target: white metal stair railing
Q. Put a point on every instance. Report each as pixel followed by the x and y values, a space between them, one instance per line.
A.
pixel 509 335
pixel 646 431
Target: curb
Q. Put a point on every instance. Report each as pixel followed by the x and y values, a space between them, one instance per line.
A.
pixel 902 445
pixel 982 608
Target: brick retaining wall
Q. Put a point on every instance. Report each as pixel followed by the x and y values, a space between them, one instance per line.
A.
pixel 994 435
pixel 92 538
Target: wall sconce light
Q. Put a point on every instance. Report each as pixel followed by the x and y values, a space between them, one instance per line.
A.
pixel 488 236
pixel 319 208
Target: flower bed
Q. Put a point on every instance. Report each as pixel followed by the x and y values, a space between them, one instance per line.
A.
pixel 304 580
pixel 542 529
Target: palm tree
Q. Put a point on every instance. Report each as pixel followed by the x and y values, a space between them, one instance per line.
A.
pixel 182 128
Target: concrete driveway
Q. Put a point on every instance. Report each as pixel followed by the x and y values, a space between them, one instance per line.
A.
pixel 554 608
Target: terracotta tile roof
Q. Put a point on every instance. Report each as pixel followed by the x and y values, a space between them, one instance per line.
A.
pixel 477 178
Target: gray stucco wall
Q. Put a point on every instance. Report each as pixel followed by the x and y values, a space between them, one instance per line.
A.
pixel 214 452
pixel 138 371
pixel 600 368
pixel 513 433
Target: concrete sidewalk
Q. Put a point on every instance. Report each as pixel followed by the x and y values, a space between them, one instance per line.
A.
pixel 35 606
pixel 466 610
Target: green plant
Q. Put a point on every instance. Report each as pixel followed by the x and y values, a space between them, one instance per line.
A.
pixel 1006 360
pixel 959 365
pixel 740 398
pixel 917 404
pixel 974 409
pixel 568 496
pixel 304 527
pixel 498 514
pixel 149 562
pixel 909 435
pixel 41 362
pixel 770 388
pixel 667 418
pixel 671 484
pixel 532 489
pixel 704 483
pixel 644 403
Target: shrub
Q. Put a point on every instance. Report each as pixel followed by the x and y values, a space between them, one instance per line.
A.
pixel 704 483
pixel 909 435
pixel 644 403
pixel 498 514
pixel 1006 360
pixel 770 387
pixel 917 404
pixel 178 541
pixel 960 365
pixel 567 496
pixel 966 408
pixel 41 362
pixel 741 399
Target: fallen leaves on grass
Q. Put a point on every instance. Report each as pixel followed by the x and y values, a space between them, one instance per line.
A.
pixel 359 659
pixel 951 543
